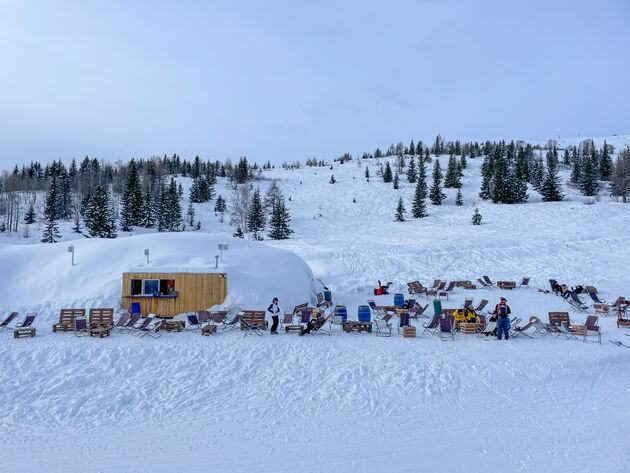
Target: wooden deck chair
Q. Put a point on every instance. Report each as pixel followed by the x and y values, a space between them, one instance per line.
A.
pixel 66 319
pixel 232 324
pixel 483 283
pixel 148 329
pixel 525 282
pixel 482 304
pixel 136 330
pixel 101 317
pixel 565 331
pixel 433 326
pixel 5 323
pixel 468 303
pixel 251 328
pixel 445 292
pixel 419 312
pixel 81 326
pixel 194 324
pixel 122 320
pixel 131 324
pixel 319 327
pixel 27 322
pixel 287 319
pixel 487 280
pixel 447 329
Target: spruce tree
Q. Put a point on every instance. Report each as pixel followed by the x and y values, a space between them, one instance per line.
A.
pixel 148 213
pixel 256 216
pixel 436 195
pixel 191 214
pixel 30 215
pixel 412 173
pixel 452 175
pixel 367 174
pixel 387 173
pixel 279 223
pixel 620 181
pixel 220 206
pixel 238 233
pixel 332 179
pixel 99 218
pixel 459 199
pixel 400 211
pixel 476 218
pixel 551 189
pixel 51 231
pixel 396 181
pixel 588 177
pixel 412 148
pixel 131 201
pixel 605 164
pixel 272 195
pixel 463 163
pixel 487 173
pixel 419 206
pixel 76 228
pixel 173 207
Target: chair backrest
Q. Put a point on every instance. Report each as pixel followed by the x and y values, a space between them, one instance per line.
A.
pixel 134 318
pixel 591 321
pixel 435 321
pixel 436 283
pixel 217 317
pixel 134 308
pixel 236 319
pixel 372 304
pixel 28 320
pixel 80 323
pixel 381 324
pixel 337 320
pixel 363 313
pixel 9 318
pixel 482 318
pixel 487 279
pixel 202 315
pixel 305 316
pixel 451 286
pixel 445 324
pixel 468 303
pixel 123 319
pixel 299 307
pixel 404 318
pixel 490 327
pixel 288 318
pixel 193 320
pixel 442 285
pixel 420 310
pixel 145 323
pixel 525 282
pixel 67 316
pixel 101 316
pixel 594 297
pixel 320 298
pixel 558 318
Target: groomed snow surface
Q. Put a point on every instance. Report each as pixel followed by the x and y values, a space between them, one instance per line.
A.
pixel 348 402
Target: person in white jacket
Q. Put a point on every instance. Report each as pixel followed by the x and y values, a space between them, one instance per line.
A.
pixel 274 311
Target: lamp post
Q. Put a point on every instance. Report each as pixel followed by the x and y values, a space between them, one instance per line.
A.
pixel 146 253
pixel 216 261
pixel 71 250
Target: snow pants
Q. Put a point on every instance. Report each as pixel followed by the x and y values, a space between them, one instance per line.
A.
pixel 502 327
pixel 274 326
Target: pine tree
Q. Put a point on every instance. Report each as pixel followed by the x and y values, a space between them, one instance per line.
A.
pixel 605 164
pixel 588 177
pixel 452 175
pixel 476 218
pixel 463 163
pixel 459 199
pixel 99 218
pixel 332 179
pixel 487 172
pixel 279 222
pixel 620 182
pixel 419 206
pixel 436 195
pixel 576 170
pixel 412 174
pixel 537 174
pixel 272 195
pixel 367 174
pixel 256 216
pixel 173 208
pixel 64 194
pixel 412 148
pixel 551 189
pixel 76 228
pixel 30 215
pixel 400 211
pixel 396 181
pixel 566 159
pixel 191 214
pixel 220 206
pixel 148 213
pixel 238 233
pixel 387 173
pixel 131 201
pixel 51 231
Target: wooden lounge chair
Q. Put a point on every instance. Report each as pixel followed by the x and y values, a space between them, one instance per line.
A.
pixel 487 280
pixel 66 319
pixel 506 285
pixel 253 317
pixel 130 325
pixel 433 326
pixel 558 318
pixel 5 323
pixel 445 292
pixel 488 329
pixel 447 328
pixel 319 327
pixel 483 283
pixel 299 307
pixel 122 320
pixel 525 282
pixel 193 323
pixel 25 329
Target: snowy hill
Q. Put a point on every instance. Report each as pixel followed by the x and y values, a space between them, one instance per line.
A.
pixel 348 402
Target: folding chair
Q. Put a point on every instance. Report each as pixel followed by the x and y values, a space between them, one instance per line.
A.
pixel 383 328
pixel 446 328
pixel 5 323
pixel 81 326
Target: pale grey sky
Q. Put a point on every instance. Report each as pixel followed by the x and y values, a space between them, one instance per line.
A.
pixel 286 80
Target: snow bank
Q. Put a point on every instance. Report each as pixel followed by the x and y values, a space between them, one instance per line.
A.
pixel 40 277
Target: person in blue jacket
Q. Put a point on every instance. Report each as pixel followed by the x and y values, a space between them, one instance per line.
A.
pixel 274 310
pixel 502 311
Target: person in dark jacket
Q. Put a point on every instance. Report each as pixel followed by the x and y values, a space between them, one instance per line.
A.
pixel 274 310
pixel 314 322
pixel 502 311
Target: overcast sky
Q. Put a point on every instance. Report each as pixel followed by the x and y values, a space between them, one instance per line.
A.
pixel 286 80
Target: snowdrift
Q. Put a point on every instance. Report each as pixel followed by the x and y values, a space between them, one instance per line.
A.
pixel 40 277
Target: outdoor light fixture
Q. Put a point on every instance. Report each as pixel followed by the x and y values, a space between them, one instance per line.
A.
pixel 221 247
pixel 216 261
pixel 146 253
pixel 71 250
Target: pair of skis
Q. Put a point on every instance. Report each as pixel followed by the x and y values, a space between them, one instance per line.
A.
pixel 619 343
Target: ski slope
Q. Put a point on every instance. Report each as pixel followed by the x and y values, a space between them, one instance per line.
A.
pixel 348 402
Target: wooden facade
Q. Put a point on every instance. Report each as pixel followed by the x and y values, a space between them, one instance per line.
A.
pixel 195 291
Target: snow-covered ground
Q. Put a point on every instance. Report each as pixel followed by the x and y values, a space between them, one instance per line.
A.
pixel 348 402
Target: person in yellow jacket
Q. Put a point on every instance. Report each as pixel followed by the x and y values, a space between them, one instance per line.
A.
pixel 465 315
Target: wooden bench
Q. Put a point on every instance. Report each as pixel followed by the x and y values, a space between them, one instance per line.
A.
pixel 353 325
pixel 100 332
pixel 173 325
pixel 24 332
pixel 208 330
pixel 101 318
pixel 506 285
pixel 66 319
pixel 470 327
pixel 254 317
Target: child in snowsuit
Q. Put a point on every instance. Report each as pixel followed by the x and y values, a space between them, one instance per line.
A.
pixel 502 310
